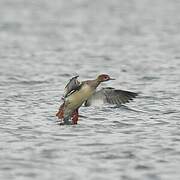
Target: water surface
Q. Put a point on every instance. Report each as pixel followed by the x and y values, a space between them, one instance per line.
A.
pixel 43 43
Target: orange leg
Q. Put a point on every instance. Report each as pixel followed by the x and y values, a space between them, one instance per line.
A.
pixel 75 116
pixel 60 113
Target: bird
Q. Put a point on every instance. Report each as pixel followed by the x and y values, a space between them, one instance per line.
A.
pixel 77 93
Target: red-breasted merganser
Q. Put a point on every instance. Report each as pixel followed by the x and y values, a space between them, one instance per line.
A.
pixel 76 93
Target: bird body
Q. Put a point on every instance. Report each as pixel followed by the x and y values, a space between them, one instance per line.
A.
pixel 77 93
pixel 76 99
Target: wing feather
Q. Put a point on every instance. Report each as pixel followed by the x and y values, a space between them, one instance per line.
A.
pixel 111 96
pixel 71 86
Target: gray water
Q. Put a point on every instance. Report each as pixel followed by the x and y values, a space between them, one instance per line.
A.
pixel 43 43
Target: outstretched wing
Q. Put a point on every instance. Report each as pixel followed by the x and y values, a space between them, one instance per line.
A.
pixel 72 86
pixel 111 96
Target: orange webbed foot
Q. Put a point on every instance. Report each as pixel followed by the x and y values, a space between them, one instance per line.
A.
pixel 60 113
pixel 75 116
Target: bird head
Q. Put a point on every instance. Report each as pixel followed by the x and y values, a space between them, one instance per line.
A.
pixel 104 77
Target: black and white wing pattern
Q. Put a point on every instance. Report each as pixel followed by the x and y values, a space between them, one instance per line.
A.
pixel 72 86
pixel 111 96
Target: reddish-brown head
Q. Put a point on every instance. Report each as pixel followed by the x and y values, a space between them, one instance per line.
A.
pixel 104 77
